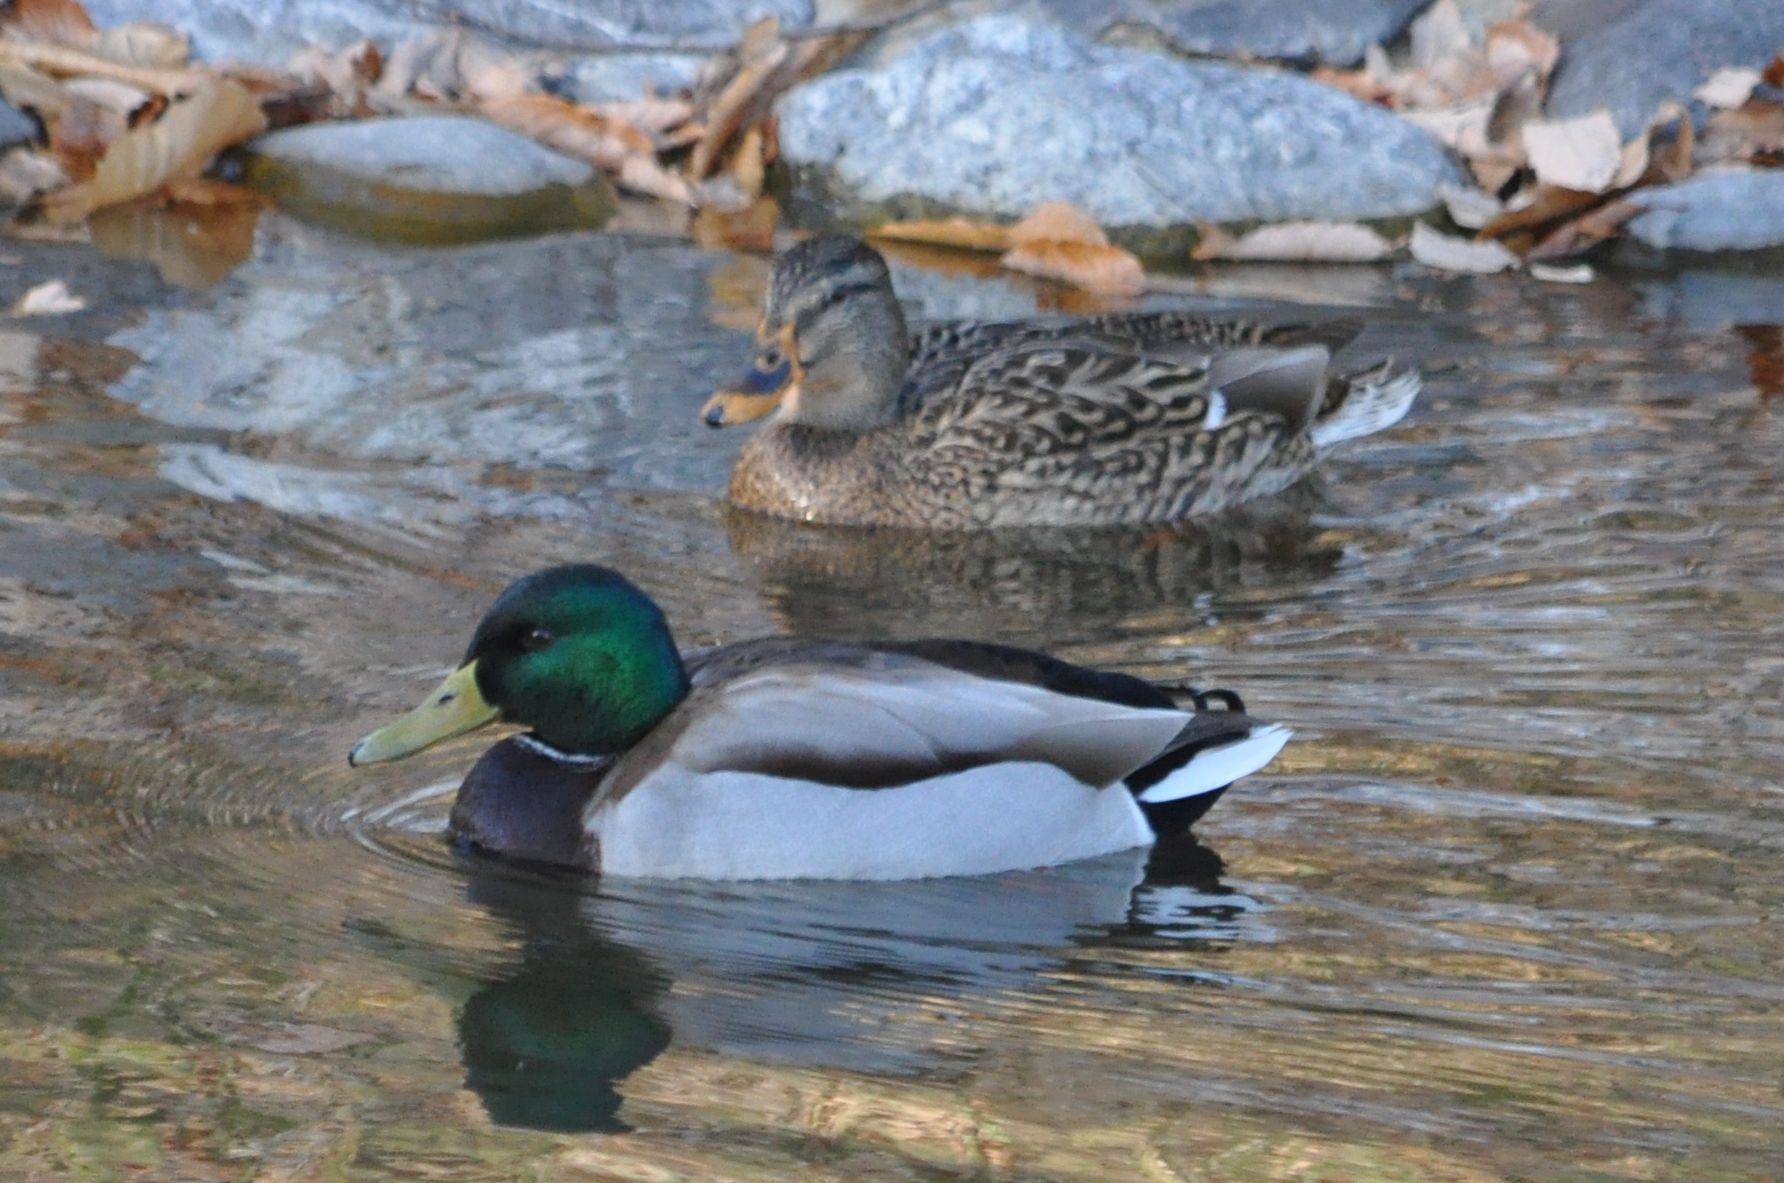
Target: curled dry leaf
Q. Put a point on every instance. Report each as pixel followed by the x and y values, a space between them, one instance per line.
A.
pixel 963 233
pixel 1060 241
pixel 609 143
pixel 219 114
pixel 1584 153
pixel 1099 268
pixel 1447 253
pixel 48 299
pixel 1578 235
pixel 60 22
pixel 64 61
pixel 149 45
pixel 1321 242
pixel 26 88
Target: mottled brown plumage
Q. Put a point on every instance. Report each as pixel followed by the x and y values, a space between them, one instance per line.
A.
pixel 1132 418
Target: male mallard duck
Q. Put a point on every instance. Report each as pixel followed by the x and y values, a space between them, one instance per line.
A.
pixel 783 758
pixel 1118 419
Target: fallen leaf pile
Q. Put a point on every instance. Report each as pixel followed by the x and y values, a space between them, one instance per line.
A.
pixel 129 118
pixel 1548 189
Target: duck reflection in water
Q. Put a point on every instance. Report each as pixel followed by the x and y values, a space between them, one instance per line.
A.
pixel 823 974
pixel 861 581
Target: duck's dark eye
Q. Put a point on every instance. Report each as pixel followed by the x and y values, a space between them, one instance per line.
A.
pixel 770 359
pixel 535 639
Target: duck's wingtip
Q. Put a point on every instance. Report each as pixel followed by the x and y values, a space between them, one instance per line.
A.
pixel 1375 401
pixel 1218 766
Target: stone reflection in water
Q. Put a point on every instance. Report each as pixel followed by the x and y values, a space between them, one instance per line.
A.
pixel 863 582
pixel 802 973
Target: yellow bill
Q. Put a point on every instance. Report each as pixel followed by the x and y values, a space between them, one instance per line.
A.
pixel 775 375
pixel 454 708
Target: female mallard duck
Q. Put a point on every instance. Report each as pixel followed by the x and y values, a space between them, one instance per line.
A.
pixel 782 758
pixel 1119 419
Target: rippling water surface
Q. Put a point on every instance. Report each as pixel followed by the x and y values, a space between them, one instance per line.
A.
pixel 1509 908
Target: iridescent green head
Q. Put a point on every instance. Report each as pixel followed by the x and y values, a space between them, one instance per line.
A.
pixel 578 654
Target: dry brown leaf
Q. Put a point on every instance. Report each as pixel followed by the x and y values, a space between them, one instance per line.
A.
pixel 748 164
pixel 1728 88
pixel 63 61
pixel 1754 132
pixel 1774 70
pixel 60 22
pixel 1447 253
pixel 580 131
pixel 219 114
pixel 1057 221
pixel 1537 207
pixel 609 143
pixel 1323 242
pixel 1580 234
pixel 144 44
pixel 24 87
pixel 86 128
pixel 727 113
pixel 1582 153
pixel 962 233
pixel 1096 266
pixel 651 115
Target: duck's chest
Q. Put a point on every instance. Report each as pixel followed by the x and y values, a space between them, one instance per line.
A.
pixel 835 478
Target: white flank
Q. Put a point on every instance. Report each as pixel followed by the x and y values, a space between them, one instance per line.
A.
pixel 1217 410
pixel 1210 769
pixel 738 825
pixel 1371 407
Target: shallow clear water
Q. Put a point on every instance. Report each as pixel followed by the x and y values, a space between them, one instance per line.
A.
pixel 1507 909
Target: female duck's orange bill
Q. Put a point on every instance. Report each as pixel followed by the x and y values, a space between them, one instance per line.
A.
pixel 760 392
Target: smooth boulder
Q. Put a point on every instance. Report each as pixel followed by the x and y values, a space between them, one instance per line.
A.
pixel 1736 210
pixel 998 114
pixel 429 178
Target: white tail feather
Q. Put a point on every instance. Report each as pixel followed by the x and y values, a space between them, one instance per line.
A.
pixel 1372 405
pixel 1213 768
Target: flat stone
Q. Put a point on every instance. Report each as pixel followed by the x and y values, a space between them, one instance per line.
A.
pixel 1631 55
pixel 270 31
pixel 16 127
pixel 1333 32
pixel 429 178
pixel 1717 211
pixel 1000 113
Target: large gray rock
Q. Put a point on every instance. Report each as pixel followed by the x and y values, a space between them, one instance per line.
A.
pixel 1000 113
pixel 1332 32
pixel 1718 211
pixel 427 178
pixel 270 31
pixel 1630 55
